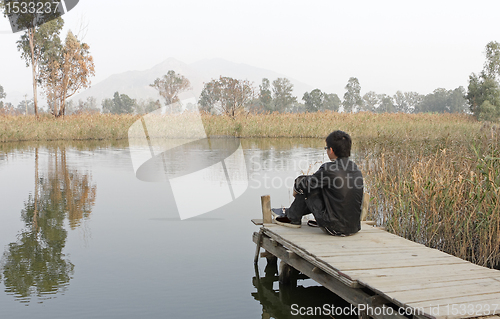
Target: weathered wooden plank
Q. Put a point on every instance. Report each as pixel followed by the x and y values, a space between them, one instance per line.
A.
pixel 304 254
pixel 362 242
pixel 328 252
pixel 350 246
pixel 469 309
pixel 443 279
pixel 317 234
pixel 414 285
pixel 409 272
pixel 346 266
pixel 392 257
pixel 257 221
pixel 365 225
pixel 457 300
pixel 352 295
pixel 318 238
pixel 320 248
pixel 430 294
pixel 278 229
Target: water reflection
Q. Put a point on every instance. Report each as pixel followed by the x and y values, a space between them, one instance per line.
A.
pixel 35 264
pixel 286 302
pixel 149 234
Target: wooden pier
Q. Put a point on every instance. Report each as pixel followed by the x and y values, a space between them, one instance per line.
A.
pixel 377 269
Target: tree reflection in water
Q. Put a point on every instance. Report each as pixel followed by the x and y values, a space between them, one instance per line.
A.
pixel 277 303
pixel 35 265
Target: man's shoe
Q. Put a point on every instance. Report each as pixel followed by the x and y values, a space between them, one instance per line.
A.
pixel 279 212
pixel 284 221
pixel 312 223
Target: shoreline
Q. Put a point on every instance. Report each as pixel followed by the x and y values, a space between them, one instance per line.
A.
pixel 89 127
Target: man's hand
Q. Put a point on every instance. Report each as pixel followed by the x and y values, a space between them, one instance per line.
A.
pixel 297 182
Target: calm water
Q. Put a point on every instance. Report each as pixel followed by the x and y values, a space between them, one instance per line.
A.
pixel 82 237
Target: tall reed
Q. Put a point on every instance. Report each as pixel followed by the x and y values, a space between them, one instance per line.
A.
pixel 443 193
pixel 72 127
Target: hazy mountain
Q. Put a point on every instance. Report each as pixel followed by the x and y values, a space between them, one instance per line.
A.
pixel 136 83
pixel 213 68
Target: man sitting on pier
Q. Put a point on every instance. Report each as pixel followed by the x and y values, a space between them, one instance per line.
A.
pixel 333 194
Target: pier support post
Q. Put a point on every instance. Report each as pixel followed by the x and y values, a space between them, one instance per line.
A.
pixel 271 259
pixel 364 206
pixel 288 274
pixel 266 209
pixel 267 219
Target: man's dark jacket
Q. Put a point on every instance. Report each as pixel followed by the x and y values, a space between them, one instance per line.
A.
pixel 334 195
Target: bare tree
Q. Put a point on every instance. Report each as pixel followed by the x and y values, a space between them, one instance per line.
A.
pixel 170 85
pixel 227 95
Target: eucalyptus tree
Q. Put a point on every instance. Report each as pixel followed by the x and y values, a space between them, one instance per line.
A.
pixel 370 101
pixel 265 95
pixel 331 102
pixel 386 104
pixel 41 26
pixel 407 102
pixel 492 63
pixel 352 96
pixel 2 96
pixel 483 92
pixel 283 98
pixel 313 101
pixel 66 70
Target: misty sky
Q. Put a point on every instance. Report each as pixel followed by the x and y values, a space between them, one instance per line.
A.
pixel 388 45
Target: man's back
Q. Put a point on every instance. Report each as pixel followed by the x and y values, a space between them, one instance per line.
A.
pixel 334 195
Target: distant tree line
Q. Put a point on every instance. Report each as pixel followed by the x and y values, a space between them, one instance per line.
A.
pixel 122 104
pixel 229 96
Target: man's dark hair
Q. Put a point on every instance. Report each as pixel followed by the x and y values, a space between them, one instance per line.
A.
pixel 340 142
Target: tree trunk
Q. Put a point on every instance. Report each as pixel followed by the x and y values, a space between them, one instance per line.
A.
pixel 64 96
pixel 63 106
pixel 35 213
pixel 56 109
pixel 31 36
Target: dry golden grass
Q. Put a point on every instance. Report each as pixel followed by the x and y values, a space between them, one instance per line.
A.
pixel 316 125
pixel 73 127
pixel 432 178
pixel 361 125
pixel 443 192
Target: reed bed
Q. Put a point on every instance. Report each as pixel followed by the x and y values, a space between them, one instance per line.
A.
pixel 443 193
pixel 432 178
pixel 301 125
pixel 72 127
pixel 360 125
